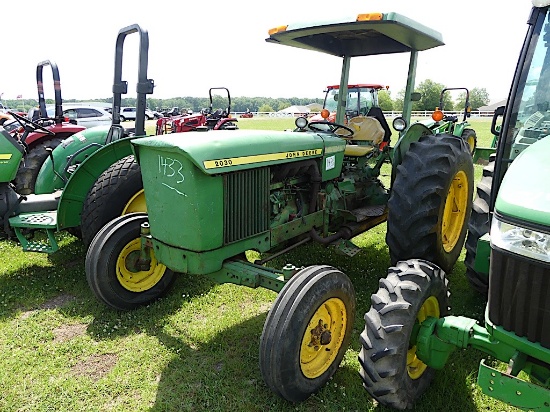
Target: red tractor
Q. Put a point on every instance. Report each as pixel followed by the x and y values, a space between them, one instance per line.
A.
pixel 207 119
pixel 39 140
pixel 361 98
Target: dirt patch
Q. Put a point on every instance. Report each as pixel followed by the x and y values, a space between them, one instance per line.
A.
pixel 57 302
pixel 67 332
pixel 54 303
pixel 95 367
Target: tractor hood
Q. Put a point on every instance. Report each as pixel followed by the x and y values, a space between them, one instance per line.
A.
pixel 220 151
pixel 525 193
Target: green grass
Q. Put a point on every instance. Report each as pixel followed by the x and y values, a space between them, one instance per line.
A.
pixel 194 350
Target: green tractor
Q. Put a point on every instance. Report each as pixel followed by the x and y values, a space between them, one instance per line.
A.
pixel 408 333
pixel 72 169
pixel 212 196
pixel 444 123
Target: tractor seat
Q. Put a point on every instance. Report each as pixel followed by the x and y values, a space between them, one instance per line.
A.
pixel 368 133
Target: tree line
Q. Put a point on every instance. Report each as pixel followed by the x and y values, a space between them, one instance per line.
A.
pixel 429 90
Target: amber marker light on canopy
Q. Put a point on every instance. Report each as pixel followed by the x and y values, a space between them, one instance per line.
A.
pixel 370 16
pixel 277 29
pixel 325 114
pixel 437 115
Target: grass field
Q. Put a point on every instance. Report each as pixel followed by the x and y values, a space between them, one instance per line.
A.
pixel 194 350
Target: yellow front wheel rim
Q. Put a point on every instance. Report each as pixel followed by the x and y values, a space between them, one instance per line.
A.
pixel 454 214
pixel 133 278
pixel 136 203
pixel 471 143
pixel 415 367
pixel 323 338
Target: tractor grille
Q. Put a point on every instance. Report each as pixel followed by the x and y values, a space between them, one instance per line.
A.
pixel 246 211
pixel 519 296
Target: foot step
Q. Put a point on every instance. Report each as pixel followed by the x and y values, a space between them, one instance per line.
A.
pixel 347 248
pixel 46 221
pixel 368 211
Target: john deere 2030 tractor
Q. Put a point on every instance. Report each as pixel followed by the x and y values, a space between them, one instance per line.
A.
pixel 211 196
pixel 408 333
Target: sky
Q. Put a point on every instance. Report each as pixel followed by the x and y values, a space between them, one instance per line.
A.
pixel 195 45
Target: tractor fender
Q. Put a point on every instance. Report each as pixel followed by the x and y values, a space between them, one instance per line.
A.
pixel 85 142
pixel 413 134
pixel 80 182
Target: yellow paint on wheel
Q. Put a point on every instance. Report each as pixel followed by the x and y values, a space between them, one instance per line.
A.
pixel 454 215
pixel 323 338
pixel 136 203
pixel 472 143
pixel 129 276
pixel 415 367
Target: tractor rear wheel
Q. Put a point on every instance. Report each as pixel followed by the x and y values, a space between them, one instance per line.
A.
pixel 478 226
pixel 113 269
pixel 119 190
pixel 307 332
pixel 391 371
pixel 470 137
pixel 27 173
pixel 430 201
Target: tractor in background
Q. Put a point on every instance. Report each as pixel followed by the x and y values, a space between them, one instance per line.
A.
pixel 360 99
pixel 408 332
pixel 444 123
pixel 207 119
pixel 43 134
pixel 72 168
pixel 212 196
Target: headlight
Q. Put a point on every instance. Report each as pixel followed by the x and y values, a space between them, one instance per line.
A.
pixel 520 240
pixel 301 122
pixel 399 124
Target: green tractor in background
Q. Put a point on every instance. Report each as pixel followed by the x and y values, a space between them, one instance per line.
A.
pixel 408 333
pixel 69 173
pixel 212 196
pixel 444 123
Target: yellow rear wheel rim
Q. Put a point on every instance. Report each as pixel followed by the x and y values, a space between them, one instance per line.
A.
pixel 415 367
pixel 133 279
pixel 454 214
pixel 136 203
pixel 323 338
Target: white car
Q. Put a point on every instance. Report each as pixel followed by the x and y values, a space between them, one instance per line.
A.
pixel 129 113
pixel 87 116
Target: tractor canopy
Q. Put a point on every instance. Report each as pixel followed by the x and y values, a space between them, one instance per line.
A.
pixel 523 193
pixel 362 35
pixel 229 150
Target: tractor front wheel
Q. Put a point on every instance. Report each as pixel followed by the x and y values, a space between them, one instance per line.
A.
pixel 431 201
pixel 307 331
pixel 391 371
pixel 119 190
pixel 25 180
pixel 478 226
pixel 114 269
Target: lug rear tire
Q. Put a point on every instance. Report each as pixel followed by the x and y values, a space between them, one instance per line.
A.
pixel 431 201
pixel 470 137
pixel 391 371
pixel 25 180
pixel 111 269
pixel 307 332
pixel 119 190
pixel 478 226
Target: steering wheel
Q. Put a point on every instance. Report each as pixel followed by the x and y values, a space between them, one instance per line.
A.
pixel 32 126
pixel 333 128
